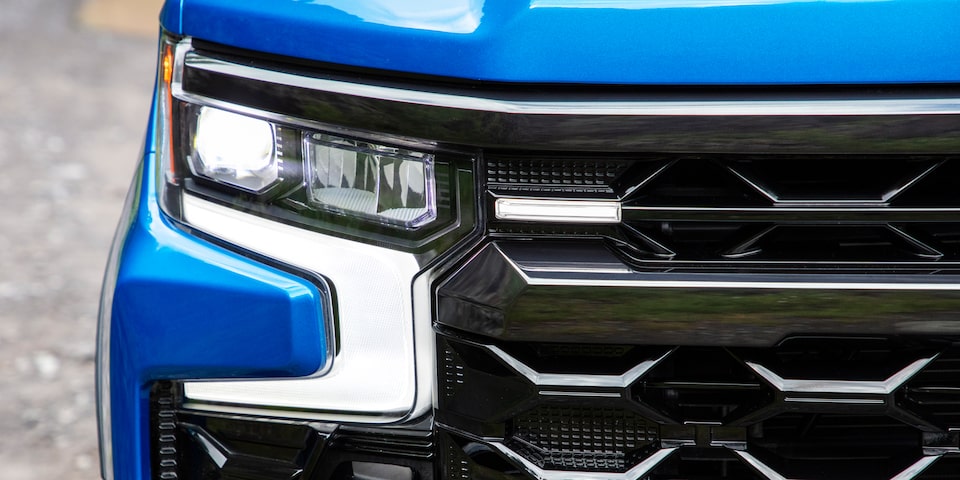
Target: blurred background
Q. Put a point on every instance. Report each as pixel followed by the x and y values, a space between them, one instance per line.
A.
pixel 75 84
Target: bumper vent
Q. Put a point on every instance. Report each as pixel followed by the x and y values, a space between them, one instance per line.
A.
pixel 811 407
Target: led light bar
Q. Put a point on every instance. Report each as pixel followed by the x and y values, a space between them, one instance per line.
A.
pixel 557 211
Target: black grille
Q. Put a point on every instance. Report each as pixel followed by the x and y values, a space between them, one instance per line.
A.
pixel 706 412
pixel 935 391
pixel 796 213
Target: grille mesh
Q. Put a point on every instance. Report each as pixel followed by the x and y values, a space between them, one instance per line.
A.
pixel 581 438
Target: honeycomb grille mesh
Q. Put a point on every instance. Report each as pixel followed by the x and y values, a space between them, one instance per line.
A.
pixel 585 439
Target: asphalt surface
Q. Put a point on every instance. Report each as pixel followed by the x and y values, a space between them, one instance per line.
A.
pixel 74 95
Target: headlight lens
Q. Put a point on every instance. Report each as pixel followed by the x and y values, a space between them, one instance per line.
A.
pixel 361 186
pixel 388 184
pixel 234 149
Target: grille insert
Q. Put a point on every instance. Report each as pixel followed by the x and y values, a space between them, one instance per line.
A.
pixel 811 407
pixel 797 213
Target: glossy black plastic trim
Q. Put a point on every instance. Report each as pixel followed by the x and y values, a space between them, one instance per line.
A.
pixel 595 119
pixel 547 291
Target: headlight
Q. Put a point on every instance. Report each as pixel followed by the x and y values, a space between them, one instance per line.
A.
pixel 364 211
pixel 386 184
pixel 236 150
pixel 399 193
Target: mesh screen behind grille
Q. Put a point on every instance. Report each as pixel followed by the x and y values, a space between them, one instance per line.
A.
pixel 581 438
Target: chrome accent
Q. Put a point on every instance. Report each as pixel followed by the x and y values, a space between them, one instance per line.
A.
pixel 886 198
pixel 552 211
pixel 788 215
pixel 359 387
pixel 926 106
pixel 907 474
pixel 557 393
pixel 604 120
pixel 759 466
pixel 638 471
pixel 917 468
pixel 844 401
pixel 577 380
pixel 212 448
pixel 884 387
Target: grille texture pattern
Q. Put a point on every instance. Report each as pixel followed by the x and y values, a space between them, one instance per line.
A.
pixel 799 213
pixel 822 408
pixel 578 438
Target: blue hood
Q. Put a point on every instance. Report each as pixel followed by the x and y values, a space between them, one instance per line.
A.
pixel 600 41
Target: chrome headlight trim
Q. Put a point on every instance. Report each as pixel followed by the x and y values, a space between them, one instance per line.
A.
pixel 374 376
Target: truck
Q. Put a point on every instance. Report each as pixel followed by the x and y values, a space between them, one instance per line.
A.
pixel 541 239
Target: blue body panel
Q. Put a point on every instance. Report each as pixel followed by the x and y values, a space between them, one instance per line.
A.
pixel 601 41
pixel 184 308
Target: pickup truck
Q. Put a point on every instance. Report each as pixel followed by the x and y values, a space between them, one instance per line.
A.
pixel 541 239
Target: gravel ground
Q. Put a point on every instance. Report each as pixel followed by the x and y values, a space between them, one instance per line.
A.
pixel 73 106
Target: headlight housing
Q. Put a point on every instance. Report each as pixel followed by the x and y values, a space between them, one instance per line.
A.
pixel 366 212
pixel 405 194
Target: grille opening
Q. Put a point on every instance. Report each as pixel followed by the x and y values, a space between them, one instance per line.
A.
pixel 825 178
pixel 723 212
pixel 702 385
pixel 947 468
pixel 937 189
pixel 943 236
pixel 467 459
pixel 695 182
pixel 934 392
pixel 839 358
pixel 860 243
pixel 592 439
pixel 692 240
pixel 690 463
pixel 805 445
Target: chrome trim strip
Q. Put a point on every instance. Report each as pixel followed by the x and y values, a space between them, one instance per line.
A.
pixel 759 466
pixel 550 211
pixel 907 474
pixel 576 380
pixel 917 468
pixel 638 471
pixel 557 393
pixel 639 283
pixel 393 387
pixel 604 120
pixel 821 107
pixel 792 214
pixel 884 387
pixel 842 401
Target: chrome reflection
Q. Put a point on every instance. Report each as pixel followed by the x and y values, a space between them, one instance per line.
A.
pixel 698 108
pixel 449 16
pixel 576 380
pixel 884 387
pixel 909 473
pixel 638 471
pixel 373 378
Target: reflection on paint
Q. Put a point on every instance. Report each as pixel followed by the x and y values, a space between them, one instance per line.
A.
pixel 657 4
pixel 450 16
